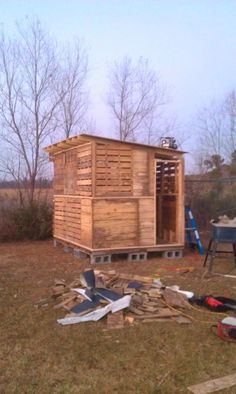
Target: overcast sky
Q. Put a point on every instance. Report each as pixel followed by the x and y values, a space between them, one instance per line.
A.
pixel 190 43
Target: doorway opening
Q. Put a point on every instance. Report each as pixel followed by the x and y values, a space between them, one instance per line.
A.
pixel 167 198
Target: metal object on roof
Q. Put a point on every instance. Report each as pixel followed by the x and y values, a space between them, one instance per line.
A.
pixel 168 142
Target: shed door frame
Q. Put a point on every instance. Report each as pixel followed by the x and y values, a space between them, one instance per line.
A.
pixel 169 186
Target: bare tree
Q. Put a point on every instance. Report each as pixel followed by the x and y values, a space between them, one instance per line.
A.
pixel 31 77
pixel 229 110
pixel 135 96
pixel 216 128
pixel 72 91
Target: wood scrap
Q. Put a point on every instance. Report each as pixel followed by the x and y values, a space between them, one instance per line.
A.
pixel 112 280
pixel 147 308
pixel 59 282
pixel 100 281
pixel 69 294
pixel 150 304
pixel 118 290
pixel 176 299
pixel 162 312
pixel 66 302
pixel 129 320
pixel 136 311
pixel 75 283
pixel 137 299
pixel 59 290
pixel 42 303
pixel 154 293
pixel 182 319
pixel 129 290
pixel 160 320
pixel 115 320
pixel 214 385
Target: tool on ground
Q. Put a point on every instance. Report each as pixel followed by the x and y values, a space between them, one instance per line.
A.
pixel 226 329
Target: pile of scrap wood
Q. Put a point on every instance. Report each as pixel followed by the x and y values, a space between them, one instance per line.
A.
pixel 97 294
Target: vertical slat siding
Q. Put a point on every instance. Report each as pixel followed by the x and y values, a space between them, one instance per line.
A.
pixel 59 173
pixel 86 222
pixel 83 180
pixel 151 174
pixel 70 171
pixel 180 204
pixel 140 173
pixel 146 221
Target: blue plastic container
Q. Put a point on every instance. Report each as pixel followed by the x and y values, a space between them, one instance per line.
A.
pixel 224 234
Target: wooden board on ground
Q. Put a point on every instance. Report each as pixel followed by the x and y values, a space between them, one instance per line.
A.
pixel 161 313
pixel 214 385
pixel 115 320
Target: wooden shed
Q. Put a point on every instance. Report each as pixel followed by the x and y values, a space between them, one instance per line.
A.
pixel 117 197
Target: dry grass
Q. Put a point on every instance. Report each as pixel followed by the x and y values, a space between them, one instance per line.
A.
pixel 41 194
pixel 39 356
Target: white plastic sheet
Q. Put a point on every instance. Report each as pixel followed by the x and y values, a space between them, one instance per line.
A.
pixel 98 314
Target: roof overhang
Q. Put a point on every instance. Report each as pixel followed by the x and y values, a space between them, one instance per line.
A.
pixel 85 138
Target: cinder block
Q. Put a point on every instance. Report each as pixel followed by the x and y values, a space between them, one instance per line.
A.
pixel 100 259
pixel 68 249
pixel 172 254
pixel 79 254
pixel 141 256
pixel 56 243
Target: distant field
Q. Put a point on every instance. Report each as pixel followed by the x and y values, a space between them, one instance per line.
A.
pixel 12 193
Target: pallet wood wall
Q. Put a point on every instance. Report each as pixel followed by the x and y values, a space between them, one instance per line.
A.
pixel 106 196
pixel 58 180
pixel 73 171
pixel 140 173
pixel 115 223
pixel 146 221
pixel 113 170
pixel 67 218
pixel 73 219
pixel 84 170
pixel 123 222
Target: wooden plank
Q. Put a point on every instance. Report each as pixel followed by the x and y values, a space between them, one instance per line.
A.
pixel 214 385
pixel 115 320
pixel 86 222
pixel 146 221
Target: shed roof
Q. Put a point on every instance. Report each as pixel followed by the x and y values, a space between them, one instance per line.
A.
pixel 83 138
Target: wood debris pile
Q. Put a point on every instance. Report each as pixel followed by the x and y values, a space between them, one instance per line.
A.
pixel 150 300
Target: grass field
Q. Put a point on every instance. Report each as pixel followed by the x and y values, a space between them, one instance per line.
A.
pixel 39 356
pixel 11 193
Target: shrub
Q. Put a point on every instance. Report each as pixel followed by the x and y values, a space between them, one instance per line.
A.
pixel 30 222
pixel 33 221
